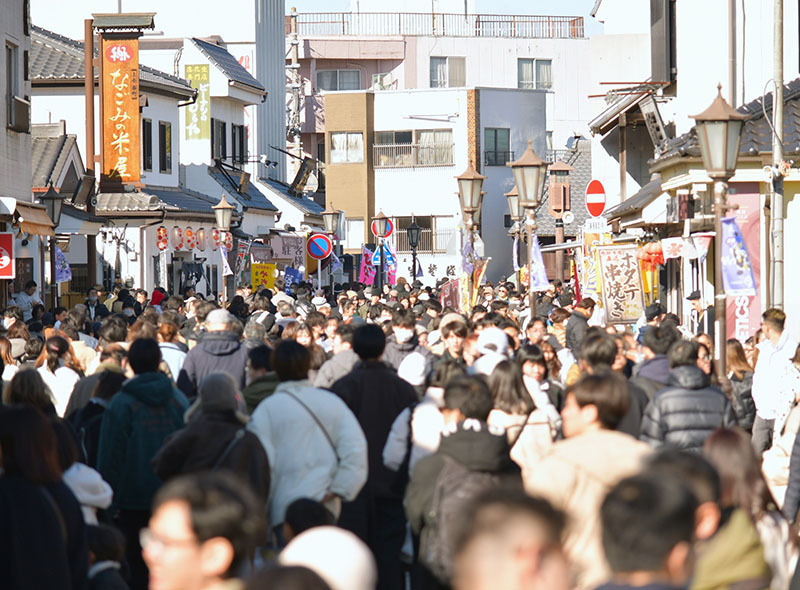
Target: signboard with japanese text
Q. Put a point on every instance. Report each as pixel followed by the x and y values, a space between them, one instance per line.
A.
pixel 451 294
pixel 744 311
pixel 263 274
pixel 622 291
pixel 198 115
pixel 7 267
pixel 120 95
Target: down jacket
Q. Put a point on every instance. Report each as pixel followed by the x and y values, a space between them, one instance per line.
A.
pixel 216 352
pixel 742 400
pixel 687 412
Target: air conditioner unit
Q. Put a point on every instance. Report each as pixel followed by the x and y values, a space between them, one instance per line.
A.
pixel 19 115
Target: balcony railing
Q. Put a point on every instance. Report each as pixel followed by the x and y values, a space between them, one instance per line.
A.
pixel 363 24
pixel 496 158
pixel 554 155
pixel 412 155
pixel 430 241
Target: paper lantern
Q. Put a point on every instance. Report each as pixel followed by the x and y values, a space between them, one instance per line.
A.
pixel 201 239
pixel 177 238
pixel 162 238
pixel 228 240
pixel 214 239
pixel 191 239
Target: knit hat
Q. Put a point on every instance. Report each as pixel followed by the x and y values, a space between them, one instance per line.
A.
pixel 217 393
pixel 336 555
pixel 450 318
pixel 219 316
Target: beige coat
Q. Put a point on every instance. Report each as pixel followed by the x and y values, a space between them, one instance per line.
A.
pixel 575 476
pixel 534 441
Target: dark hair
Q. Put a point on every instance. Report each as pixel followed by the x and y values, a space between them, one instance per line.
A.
pixel 690 468
pixel 774 317
pixel 559 314
pixel 27 387
pixel 171 303
pixel 33 348
pixel 608 392
pixel 554 364
pixel 508 390
pixel 113 329
pixel 737 361
pixel 56 347
pixel 470 395
pixel 292 577
pixel 643 518
pixel 202 309
pixel 260 358
pixel 457 328
pixel 683 353
pixel 403 318
pixel 18 330
pixel 598 350
pixel 345 332
pixel 305 513
pixel 369 342
pixel 144 356
pixel 28 445
pixel 105 542
pixel 167 330
pixel 108 385
pixel 29 284
pixel 219 506
pixel 530 353
pixel 291 361
pixel 660 339
pixel 586 303
pixel 142 329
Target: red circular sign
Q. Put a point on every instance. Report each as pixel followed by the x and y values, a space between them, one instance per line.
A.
pixel 389 229
pixel 595 198
pixel 319 246
pixel 119 52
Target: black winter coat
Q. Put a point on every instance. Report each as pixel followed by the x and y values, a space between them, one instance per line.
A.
pixel 394 353
pixel 652 375
pixel 687 412
pixel 577 326
pixel 202 443
pixel 216 352
pixel 742 400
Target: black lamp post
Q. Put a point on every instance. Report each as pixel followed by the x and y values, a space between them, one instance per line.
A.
pixel 53 202
pixel 380 221
pixel 413 231
pixel 331 219
pixel 719 130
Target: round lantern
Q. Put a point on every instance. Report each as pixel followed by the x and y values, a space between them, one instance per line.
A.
pixel 190 237
pixel 162 238
pixel 214 239
pixel 228 240
pixel 177 238
pixel 201 239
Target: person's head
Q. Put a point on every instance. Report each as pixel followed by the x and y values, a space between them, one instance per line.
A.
pixel 657 340
pixel 219 320
pixel 60 313
pixel 144 356
pixel 559 315
pixel 598 351
pixel 704 361
pixel 696 301
pixel 291 361
pixel 510 540
pixel 92 296
pixel 203 528
pixel 28 445
pixel 586 306
pixel 259 362
pixel 369 342
pixel 683 354
pixel 27 388
pixel 303 514
pixel 106 543
pixel 5 351
pixel 531 360
pixel 467 398
pixel 304 335
pixel 33 348
pixel 343 338
pixel 113 329
pixel 772 322
pixel 599 400
pixel 648 528
pixel 453 335
pixel 30 287
pixel 56 349
pixel 403 323
pixel 508 390
pixel 218 393
pixel 296 577
pixel 108 385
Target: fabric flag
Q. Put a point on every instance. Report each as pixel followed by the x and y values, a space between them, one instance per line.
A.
pixel 515 254
pixel 420 272
pixel 392 274
pixel 63 271
pixel 336 264
pixel 366 273
pixel 467 256
pixel 226 268
pixel 737 271
pixel 538 279
pixel 702 242
pixel 291 276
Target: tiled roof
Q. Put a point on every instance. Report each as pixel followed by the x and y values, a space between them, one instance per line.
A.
pixel 253 199
pixel 55 57
pixel 580 158
pixel 638 201
pixel 125 202
pixel 307 206
pixel 152 198
pixel 73 211
pixel 228 64
pixel 49 155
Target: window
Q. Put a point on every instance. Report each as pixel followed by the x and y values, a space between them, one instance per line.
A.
pixel 496 149
pixel 338 80
pixel 12 80
pixel 239 143
pixel 448 72
pixel 164 147
pixel 347 147
pixel 535 73
pixel 355 233
pixel 147 145
pixel 406 149
pixel 219 139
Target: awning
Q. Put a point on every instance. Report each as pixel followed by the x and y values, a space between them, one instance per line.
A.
pixel 646 207
pixel 609 118
pixel 33 219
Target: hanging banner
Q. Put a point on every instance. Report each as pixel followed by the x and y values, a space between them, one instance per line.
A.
pixel 539 280
pixel 366 273
pixel 590 281
pixel 515 254
pixel 198 115
pixel 119 90
pixel 291 276
pixel 450 294
pixel 336 264
pixel 8 265
pixel 464 294
pixel 161 274
pixel 479 270
pixel 744 311
pixel 63 271
pixel 737 272
pixel 226 268
pixel 263 274
pixel 622 291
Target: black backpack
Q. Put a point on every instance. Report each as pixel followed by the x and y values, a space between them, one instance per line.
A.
pixel 455 487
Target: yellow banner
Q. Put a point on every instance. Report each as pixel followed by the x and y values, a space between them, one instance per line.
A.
pixel 120 95
pixel 198 115
pixel 263 274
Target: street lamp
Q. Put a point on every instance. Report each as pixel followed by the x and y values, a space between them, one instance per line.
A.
pixel 381 222
pixel 413 231
pixel 53 203
pixel 331 219
pixel 530 172
pixel 470 195
pixel 223 211
pixel 514 212
pixel 719 131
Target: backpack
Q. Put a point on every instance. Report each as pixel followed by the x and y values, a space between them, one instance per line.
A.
pixel 455 487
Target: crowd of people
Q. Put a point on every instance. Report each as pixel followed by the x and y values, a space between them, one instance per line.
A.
pixel 359 438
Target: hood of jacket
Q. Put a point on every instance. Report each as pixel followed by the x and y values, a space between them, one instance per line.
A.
pixel 153 389
pixel 477 446
pixel 219 343
pixel 655 369
pixel 689 377
pixel 392 343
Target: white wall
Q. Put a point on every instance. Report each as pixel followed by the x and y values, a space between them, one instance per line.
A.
pixel 619 17
pixel 161 108
pixel 271 72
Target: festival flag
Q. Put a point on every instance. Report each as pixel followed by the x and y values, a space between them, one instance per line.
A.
pixel 737 271
pixel 63 271
pixel 226 268
pixel 538 280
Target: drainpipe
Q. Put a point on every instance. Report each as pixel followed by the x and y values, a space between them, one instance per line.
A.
pixel 732 51
pixel 142 248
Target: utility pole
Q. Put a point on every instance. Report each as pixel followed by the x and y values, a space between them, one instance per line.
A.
pixel 294 115
pixel 777 158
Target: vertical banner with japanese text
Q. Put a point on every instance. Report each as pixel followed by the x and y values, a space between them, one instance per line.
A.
pixel 744 311
pixel 198 115
pixel 622 291
pixel 120 95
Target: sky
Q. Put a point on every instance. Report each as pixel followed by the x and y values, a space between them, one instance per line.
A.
pixel 186 18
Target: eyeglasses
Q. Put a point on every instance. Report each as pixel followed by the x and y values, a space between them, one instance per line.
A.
pixel 148 537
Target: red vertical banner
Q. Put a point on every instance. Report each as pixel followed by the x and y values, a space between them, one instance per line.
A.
pixel 120 96
pixel 743 313
pixel 7 265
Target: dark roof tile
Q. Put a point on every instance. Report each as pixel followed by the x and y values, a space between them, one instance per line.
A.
pixel 228 64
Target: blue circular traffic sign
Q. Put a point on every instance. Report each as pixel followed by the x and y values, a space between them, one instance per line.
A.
pixel 319 246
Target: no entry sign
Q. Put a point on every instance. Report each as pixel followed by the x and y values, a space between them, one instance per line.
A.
pixel 319 246
pixel 595 198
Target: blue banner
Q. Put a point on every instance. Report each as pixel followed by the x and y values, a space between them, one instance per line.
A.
pixel 63 271
pixel 737 271
pixel 291 276
pixel 538 279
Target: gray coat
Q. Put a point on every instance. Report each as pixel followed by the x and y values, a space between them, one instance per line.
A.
pixel 335 368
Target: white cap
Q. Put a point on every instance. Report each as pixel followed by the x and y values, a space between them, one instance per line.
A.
pixel 412 369
pixel 493 340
